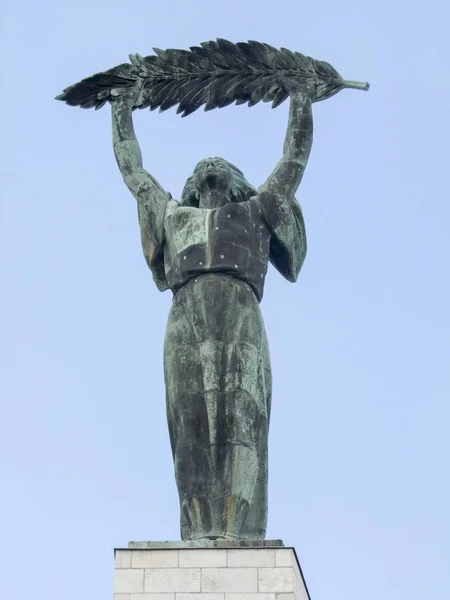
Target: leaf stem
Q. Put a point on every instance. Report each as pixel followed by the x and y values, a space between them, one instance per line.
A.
pixel 356 85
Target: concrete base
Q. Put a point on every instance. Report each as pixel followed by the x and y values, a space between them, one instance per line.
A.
pixel 211 570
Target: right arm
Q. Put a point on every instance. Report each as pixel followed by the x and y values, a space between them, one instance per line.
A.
pixel 151 198
pixel 128 153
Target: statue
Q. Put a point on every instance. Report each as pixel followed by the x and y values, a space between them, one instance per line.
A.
pixel 212 251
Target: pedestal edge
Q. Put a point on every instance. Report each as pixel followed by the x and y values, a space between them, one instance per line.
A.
pixel 214 544
pixel 182 545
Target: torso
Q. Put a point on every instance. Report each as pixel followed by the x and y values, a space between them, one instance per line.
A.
pixel 233 239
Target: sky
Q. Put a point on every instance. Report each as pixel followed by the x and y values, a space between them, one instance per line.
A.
pixel 359 475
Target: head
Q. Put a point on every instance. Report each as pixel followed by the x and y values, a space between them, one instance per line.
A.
pixel 214 183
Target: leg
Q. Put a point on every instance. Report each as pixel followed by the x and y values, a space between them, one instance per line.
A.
pixel 215 356
pixel 189 429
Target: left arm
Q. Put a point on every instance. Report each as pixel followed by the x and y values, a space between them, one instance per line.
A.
pixel 277 195
pixel 288 173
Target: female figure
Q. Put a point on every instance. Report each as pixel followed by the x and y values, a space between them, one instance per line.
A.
pixel 212 250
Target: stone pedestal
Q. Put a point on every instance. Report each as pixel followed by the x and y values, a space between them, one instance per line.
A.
pixel 257 570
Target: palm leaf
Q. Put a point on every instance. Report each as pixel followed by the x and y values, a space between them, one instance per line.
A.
pixel 212 75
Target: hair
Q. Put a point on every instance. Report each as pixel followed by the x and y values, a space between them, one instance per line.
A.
pixel 240 191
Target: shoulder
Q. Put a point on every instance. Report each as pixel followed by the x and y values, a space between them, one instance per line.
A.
pixel 144 186
pixel 172 206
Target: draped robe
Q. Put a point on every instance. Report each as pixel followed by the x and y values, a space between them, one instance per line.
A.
pixel 216 358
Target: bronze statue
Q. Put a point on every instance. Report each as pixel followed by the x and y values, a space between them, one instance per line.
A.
pixel 212 251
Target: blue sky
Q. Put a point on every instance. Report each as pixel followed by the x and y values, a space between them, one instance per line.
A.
pixel 359 443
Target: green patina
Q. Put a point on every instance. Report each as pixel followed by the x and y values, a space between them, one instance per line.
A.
pixel 216 358
pixel 212 250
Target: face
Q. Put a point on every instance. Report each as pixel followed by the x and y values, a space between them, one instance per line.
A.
pixel 213 181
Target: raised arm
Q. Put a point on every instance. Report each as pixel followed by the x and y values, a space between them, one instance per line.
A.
pixel 288 173
pixel 277 195
pixel 151 198
pixel 128 153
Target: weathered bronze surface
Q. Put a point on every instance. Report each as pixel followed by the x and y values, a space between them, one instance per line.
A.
pixel 212 251
pixel 214 74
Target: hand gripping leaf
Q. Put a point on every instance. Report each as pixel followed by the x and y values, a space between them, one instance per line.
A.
pixel 214 74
